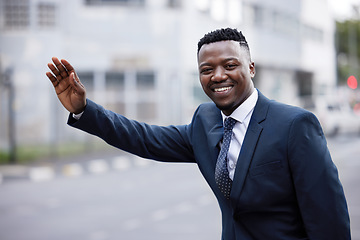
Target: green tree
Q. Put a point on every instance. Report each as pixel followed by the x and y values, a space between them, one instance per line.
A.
pixel 348 50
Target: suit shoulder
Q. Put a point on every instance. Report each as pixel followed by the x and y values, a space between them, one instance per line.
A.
pixel 283 107
pixel 272 109
pixel 287 111
pixel 208 106
pixel 207 113
pixel 284 116
pixel 208 110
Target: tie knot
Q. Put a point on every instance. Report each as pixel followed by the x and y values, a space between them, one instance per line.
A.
pixel 229 123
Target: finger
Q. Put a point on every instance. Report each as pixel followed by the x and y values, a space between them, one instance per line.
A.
pixel 77 85
pixel 52 78
pixel 77 79
pixel 55 61
pixel 67 65
pixel 53 69
pixel 62 70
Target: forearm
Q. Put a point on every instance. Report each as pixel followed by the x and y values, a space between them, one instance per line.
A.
pixel 160 143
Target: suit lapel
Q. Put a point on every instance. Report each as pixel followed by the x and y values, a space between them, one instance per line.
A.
pixel 249 145
pixel 215 136
pixel 211 121
pixel 245 157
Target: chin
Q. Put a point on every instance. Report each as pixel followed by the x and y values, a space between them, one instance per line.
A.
pixel 223 107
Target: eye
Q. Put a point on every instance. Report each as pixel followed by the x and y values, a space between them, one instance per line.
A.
pixel 230 66
pixel 205 70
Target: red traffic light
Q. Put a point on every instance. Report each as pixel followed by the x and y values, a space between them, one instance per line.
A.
pixel 352 82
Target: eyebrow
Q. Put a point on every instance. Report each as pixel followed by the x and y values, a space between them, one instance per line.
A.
pixel 225 60
pixel 204 64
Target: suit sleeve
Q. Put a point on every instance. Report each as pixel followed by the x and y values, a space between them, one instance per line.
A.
pixel 319 192
pixel 168 144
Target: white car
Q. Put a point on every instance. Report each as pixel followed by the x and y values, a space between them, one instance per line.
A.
pixel 335 117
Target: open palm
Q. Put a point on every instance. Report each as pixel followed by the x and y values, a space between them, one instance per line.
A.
pixel 70 91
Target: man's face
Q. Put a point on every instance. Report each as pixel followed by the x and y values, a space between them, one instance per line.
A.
pixel 225 73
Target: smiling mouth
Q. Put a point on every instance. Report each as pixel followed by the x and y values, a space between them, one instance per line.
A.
pixel 222 89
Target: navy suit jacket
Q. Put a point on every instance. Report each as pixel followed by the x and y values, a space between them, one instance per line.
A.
pixel 285 184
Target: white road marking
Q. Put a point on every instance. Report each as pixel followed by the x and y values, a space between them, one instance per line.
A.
pixel 98 166
pixel 121 163
pixel 38 174
pixel 72 170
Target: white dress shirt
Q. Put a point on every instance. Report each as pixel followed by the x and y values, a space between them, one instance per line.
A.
pixel 242 115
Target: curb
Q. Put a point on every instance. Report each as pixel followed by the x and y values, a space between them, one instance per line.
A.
pixel 47 172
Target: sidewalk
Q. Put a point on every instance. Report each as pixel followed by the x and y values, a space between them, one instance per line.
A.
pixel 8 172
pixel 71 167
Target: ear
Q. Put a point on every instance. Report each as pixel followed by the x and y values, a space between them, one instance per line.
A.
pixel 252 69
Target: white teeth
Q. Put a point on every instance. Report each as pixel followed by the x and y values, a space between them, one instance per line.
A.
pixel 223 89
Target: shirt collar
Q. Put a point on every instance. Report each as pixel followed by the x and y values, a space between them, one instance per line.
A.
pixel 242 111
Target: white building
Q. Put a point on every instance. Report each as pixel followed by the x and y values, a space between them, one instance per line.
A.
pixel 138 57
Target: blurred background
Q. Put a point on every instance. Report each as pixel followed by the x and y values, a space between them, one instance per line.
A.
pixel 138 58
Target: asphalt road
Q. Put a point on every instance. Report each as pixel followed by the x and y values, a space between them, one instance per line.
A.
pixel 145 201
pixel 122 198
pixel 346 155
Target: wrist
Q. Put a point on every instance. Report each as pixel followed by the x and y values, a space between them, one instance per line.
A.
pixel 80 109
pixel 77 114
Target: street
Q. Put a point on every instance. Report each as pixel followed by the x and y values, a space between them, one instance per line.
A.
pixel 121 197
pixel 346 155
pixel 142 201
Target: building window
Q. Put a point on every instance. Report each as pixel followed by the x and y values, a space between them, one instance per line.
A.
pixel 313 33
pixel 46 15
pixel 305 83
pixel 16 14
pixel 114 80
pixel 87 78
pixel 115 87
pixel 174 4
pixel 116 2
pixel 145 80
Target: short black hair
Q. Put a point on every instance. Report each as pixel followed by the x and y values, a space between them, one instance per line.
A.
pixel 224 34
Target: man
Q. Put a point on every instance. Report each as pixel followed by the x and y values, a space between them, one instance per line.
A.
pixel 274 177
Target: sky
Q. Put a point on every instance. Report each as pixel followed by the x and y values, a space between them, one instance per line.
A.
pixel 343 8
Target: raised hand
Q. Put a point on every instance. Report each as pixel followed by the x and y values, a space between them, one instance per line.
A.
pixel 70 91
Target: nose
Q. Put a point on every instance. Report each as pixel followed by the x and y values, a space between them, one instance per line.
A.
pixel 219 75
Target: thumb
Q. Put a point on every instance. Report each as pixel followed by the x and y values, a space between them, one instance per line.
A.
pixel 74 80
pixel 76 84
